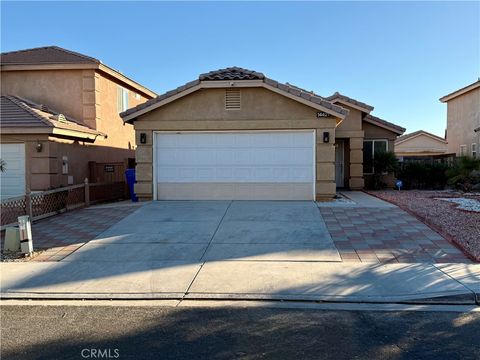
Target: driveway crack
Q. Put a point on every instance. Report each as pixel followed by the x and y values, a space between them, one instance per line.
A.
pixel 205 252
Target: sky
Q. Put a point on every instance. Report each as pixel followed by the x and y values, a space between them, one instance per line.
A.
pixel 399 57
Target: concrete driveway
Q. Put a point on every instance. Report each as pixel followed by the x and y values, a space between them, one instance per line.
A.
pixel 199 231
pixel 233 250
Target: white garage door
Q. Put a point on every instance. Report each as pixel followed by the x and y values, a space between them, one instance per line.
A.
pixel 13 178
pixel 235 166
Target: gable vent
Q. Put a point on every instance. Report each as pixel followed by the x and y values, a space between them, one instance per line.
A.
pixel 61 118
pixel 232 99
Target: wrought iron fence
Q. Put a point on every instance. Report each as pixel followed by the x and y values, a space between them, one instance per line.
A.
pixel 51 202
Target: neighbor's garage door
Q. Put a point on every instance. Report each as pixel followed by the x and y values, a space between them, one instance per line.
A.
pixel 13 178
pixel 235 165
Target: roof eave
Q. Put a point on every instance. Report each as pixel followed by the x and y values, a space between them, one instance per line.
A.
pixel 110 71
pixel 460 92
pixel 77 134
pixel 6 130
pixel 385 126
pixel 352 105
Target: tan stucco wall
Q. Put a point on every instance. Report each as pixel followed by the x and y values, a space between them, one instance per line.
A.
pixel 463 116
pixel 261 110
pixel 61 90
pixel 353 121
pixel 420 145
pixel 351 130
pixel 108 121
pixel 44 168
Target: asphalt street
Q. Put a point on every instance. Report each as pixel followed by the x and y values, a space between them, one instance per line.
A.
pixel 149 332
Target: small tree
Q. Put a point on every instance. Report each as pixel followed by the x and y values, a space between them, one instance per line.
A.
pixel 383 162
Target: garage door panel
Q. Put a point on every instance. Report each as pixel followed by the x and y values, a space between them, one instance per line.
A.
pixel 264 165
pixel 242 174
pixel 13 179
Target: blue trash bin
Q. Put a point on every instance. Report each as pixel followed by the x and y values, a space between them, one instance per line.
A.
pixel 130 175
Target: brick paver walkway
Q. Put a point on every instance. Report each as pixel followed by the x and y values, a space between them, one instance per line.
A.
pixel 62 234
pixel 386 235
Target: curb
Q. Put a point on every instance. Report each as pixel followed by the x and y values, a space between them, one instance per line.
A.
pixel 463 298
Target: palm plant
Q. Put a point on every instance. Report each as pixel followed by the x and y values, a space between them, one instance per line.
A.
pixel 465 173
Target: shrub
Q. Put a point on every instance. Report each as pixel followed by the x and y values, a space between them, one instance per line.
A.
pixel 423 175
pixel 464 174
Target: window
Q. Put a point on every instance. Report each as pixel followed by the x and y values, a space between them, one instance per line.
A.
pixel 370 147
pixel 122 99
pixel 463 150
pixel 474 150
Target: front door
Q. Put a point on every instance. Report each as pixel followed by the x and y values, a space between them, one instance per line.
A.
pixel 339 163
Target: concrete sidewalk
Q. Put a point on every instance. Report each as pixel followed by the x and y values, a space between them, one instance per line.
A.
pixel 311 281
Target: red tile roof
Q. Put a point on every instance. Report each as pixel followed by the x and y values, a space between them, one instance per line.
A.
pixel 20 113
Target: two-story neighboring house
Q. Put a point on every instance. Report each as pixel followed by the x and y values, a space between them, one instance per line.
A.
pixel 60 110
pixel 463 120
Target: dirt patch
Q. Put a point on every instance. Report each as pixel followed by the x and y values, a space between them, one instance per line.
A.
pixel 10 256
pixel 459 226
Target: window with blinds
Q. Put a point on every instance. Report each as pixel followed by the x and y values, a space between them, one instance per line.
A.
pixel 232 99
pixel 122 99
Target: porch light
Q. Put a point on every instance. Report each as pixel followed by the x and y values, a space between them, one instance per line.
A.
pixel 39 146
pixel 326 137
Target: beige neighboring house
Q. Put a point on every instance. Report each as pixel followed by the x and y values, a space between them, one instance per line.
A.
pixel 463 120
pixel 60 110
pixel 420 143
pixel 236 134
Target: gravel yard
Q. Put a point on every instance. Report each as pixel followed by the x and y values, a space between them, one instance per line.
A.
pixel 446 216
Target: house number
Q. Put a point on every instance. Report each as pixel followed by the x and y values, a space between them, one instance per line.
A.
pixel 322 114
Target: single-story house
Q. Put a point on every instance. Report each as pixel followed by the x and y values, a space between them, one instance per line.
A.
pixel 420 143
pixel 236 134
